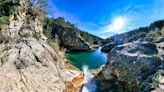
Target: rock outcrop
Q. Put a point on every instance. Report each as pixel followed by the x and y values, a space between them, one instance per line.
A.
pixel 28 66
pixel 133 67
pixel 152 33
pixel 71 39
pixel 135 61
pixel 106 48
pixel 27 62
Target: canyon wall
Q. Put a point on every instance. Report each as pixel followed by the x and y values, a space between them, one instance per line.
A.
pixel 27 62
pixel 135 62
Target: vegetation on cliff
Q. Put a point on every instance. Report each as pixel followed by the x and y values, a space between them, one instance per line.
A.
pixel 7 7
pixel 51 25
pixel 152 33
pixel 27 62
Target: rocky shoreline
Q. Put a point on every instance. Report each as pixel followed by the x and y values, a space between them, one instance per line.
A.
pixel 134 65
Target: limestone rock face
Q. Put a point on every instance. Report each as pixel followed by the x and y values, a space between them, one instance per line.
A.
pixel 27 62
pixel 131 65
pixel 71 39
pixel 22 23
pixel 30 66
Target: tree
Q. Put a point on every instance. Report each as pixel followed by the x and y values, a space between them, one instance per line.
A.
pixel 39 5
pixel 7 7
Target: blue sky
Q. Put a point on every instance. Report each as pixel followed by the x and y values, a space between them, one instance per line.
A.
pixel 100 16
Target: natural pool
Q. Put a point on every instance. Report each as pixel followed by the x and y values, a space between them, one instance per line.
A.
pixel 93 59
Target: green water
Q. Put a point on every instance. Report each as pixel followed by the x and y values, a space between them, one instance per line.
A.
pixel 93 59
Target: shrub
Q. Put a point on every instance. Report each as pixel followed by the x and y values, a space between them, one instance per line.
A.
pixel 155 81
pixel 19 65
pixel 38 8
pixel 4 20
pixel 162 72
pixel 25 35
pixel 38 35
pixel 7 7
pixel 53 45
pixel 155 33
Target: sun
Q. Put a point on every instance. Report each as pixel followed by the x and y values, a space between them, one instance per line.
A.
pixel 118 23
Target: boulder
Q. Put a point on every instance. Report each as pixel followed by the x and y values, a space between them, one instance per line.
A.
pixel 108 47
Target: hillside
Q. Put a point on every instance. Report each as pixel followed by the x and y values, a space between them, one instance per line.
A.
pixel 68 36
pixel 155 29
pixel 152 33
pixel 135 61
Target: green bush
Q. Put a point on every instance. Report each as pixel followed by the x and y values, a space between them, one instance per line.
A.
pixel 7 7
pixel 4 20
pixel 53 45
pixel 155 33
pixel 155 81
pixel 162 72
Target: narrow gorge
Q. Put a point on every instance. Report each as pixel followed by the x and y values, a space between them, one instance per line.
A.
pixel 40 53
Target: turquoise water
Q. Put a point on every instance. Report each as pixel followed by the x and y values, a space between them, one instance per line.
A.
pixel 93 59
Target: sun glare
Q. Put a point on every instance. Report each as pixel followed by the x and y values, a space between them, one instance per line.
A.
pixel 118 23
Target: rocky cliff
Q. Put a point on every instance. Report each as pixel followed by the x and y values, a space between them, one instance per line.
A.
pixel 135 66
pixel 70 39
pixel 151 33
pixel 27 62
pixel 68 36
